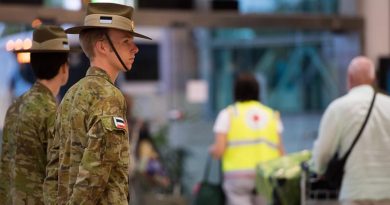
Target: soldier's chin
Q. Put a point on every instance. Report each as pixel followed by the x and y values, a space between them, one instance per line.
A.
pixel 128 68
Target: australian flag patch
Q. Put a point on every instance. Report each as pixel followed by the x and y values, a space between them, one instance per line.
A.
pixel 106 20
pixel 119 122
pixel 65 44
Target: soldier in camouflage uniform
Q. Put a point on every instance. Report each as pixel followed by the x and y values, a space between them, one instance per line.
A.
pixel 30 120
pixel 91 125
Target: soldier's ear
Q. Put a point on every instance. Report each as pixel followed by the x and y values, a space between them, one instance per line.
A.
pixel 100 46
pixel 64 71
pixel 64 67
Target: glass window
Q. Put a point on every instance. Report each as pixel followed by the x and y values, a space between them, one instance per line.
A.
pixel 299 71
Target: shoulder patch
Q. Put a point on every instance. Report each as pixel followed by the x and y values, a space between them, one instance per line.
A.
pixel 119 122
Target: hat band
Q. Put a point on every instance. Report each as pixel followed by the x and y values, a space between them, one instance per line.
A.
pixel 57 44
pixel 109 21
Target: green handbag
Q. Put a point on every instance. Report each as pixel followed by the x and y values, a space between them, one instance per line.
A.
pixel 210 193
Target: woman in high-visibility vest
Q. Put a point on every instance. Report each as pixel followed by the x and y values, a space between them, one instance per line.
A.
pixel 246 133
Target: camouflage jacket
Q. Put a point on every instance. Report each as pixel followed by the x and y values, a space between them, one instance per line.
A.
pixel 94 147
pixel 50 185
pixel 28 123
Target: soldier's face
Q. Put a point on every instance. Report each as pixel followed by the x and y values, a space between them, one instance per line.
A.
pixel 124 44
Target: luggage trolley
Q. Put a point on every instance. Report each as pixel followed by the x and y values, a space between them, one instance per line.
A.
pixel 311 195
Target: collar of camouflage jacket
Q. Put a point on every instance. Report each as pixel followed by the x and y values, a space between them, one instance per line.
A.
pixel 95 71
pixel 43 89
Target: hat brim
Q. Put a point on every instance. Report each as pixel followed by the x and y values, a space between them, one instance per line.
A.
pixel 78 29
pixel 71 50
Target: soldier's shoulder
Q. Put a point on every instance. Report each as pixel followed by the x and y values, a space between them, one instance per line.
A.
pixel 13 109
pixel 78 88
pixel 103 87
pixel 92 89
pixel 39 102
pixel 94 84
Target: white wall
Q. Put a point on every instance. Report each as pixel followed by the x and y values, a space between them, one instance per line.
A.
pixel 376 14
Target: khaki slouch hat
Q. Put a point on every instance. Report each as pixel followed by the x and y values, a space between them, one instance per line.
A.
pixel 48 39
pixel 108 15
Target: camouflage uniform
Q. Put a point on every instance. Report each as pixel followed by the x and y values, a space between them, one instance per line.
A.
pixel 24 154
pixel 50 185
pixel 94 144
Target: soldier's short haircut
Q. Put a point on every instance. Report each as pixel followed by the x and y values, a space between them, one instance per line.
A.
pixel 246 88
pixel 46 65
pixel 88 38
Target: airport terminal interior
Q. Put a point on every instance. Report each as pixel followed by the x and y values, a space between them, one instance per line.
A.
pixel 298 50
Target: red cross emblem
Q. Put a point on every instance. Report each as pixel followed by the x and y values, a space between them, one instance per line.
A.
pixel 256 118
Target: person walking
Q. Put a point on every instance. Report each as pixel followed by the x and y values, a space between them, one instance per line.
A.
pixel 246 133
pixel 366 179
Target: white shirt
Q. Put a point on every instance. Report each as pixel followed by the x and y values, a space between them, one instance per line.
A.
pixel 367 170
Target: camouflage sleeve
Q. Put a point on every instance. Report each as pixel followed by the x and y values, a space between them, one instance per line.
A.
pixel 103 151
pixel 4 179
pixel 4 170
pixel 50 184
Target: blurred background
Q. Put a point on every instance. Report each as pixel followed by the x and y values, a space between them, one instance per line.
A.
pixel 298 49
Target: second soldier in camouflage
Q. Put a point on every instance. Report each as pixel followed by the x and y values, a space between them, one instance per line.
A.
pixel 30 120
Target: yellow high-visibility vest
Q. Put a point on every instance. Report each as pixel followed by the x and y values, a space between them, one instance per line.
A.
pixel 252 138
